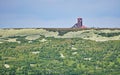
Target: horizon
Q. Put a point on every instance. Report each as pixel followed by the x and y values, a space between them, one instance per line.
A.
pixel 59 14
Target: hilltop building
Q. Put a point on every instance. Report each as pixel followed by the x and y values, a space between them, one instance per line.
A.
pixel 79 24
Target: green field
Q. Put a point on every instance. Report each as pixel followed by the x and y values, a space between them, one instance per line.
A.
pixel 59 51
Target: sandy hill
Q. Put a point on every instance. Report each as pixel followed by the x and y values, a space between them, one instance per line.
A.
pixel 101 34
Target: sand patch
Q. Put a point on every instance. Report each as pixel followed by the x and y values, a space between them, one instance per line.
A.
pixel 32 37
pixel 36 52
pixel 6 66
pixel 43 40
pixel 61 55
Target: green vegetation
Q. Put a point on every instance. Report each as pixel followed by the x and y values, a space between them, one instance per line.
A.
pixel 62 31
pixel 59 52
pixel 0 35
pixel 109 34
pixel 59 56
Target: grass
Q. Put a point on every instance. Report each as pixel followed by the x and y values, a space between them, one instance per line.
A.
pixel 43 52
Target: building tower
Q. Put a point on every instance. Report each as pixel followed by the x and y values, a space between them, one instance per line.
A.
pixel 79 22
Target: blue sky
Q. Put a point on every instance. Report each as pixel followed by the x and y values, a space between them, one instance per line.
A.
pixel 59 13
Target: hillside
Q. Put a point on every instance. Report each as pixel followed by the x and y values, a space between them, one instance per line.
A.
pixel 59 51
pixel 90 34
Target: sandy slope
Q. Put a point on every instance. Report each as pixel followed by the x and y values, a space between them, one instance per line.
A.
pixel 32 34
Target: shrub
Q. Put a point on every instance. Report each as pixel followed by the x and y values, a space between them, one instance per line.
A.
pixel 109 34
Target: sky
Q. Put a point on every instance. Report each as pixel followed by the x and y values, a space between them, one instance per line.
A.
pixel 59 13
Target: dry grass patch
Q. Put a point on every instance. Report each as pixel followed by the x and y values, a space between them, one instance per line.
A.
pixel 26 32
